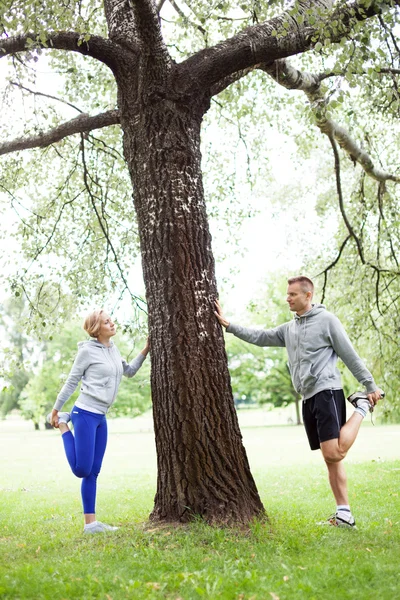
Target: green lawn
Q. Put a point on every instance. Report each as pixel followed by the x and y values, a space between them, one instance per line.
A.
pixel 43 553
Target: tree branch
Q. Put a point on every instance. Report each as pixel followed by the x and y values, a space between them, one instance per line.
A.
pixel 81 124
pixel 148 30
pixel 289 77
pixel 341 200
pixel 121 23
pixel 286 35
pixel 96 47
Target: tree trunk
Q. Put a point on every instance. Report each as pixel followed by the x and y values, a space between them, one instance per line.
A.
pixel 202 464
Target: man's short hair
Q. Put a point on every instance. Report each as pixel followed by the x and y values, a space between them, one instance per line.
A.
pixel 306 283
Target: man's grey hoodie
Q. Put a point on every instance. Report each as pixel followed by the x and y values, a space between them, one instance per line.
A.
pixel 100 368
pixel 313 341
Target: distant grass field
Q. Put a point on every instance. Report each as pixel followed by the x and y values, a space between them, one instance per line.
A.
pixel 43 554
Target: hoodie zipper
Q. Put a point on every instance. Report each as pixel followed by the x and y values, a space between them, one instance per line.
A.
pixel 110 358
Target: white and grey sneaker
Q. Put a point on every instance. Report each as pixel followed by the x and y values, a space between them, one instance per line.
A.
pixel 360 400
pixel 337 520
pixel 63 417
pixel 98 527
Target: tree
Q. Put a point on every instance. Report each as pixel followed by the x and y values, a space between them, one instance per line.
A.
pixel 16 368
pixel 202 465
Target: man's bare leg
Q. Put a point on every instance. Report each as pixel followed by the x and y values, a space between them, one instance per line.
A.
pixel 338 482
pixel 335 450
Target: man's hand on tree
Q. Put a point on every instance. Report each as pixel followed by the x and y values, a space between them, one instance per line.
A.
pixel 218 313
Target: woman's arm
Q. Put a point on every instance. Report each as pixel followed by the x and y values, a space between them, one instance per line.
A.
pixel 130 369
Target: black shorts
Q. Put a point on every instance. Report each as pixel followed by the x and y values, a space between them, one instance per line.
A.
pixel 323 416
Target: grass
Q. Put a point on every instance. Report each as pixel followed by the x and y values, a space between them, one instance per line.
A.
pixel 43 554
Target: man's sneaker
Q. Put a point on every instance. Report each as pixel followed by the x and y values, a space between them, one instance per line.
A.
pixel 359 399
pixel 338 521
pixel 63 417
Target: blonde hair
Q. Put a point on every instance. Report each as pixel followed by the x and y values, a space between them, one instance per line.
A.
pixel 92 323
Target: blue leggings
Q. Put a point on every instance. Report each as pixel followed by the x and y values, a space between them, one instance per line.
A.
pixel 85 450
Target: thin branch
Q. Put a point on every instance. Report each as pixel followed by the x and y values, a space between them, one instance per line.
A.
pixel 341 201
pixel 377 270
pixel 381 191
pixel 383 25
pixel 53 231
pixel 81 124
pixel 331 265
pixel 35 93
pixel 187 20
pixel 104 228
pixel 113 152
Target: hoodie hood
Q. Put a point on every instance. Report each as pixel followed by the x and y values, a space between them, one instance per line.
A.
pixel 94 343
pixel 314 310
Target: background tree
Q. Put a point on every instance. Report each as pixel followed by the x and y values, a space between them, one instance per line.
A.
pixel 261 376
pixel 263 373
pixel 161 102
pixel 18 351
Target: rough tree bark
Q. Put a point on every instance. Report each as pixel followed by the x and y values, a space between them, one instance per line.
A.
pixel 202 464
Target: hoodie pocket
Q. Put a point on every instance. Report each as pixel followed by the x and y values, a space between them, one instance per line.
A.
pixel 307 377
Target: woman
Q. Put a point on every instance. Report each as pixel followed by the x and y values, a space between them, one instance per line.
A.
pixel 100 367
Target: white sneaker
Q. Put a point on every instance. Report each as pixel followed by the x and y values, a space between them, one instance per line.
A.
pixel 98 527
pixel 63 417
pixel 360 400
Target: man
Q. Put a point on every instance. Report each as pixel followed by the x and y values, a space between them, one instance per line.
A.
pixel 314 340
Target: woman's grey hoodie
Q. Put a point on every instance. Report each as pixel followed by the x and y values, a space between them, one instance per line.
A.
pixel 100 368
pixel 313 342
